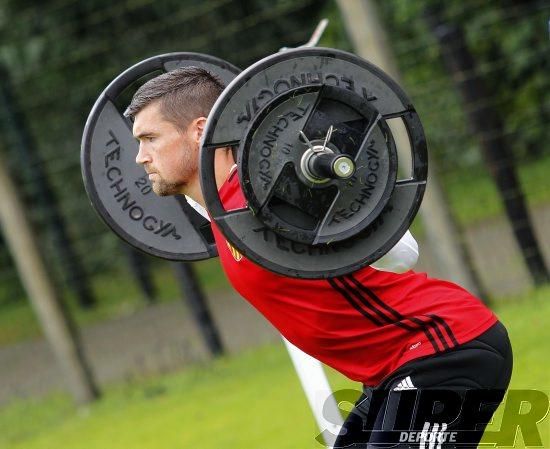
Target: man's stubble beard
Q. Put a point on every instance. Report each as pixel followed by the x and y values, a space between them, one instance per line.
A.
pixel 163 188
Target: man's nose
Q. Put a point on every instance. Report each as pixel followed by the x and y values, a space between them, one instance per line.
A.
pixel 142 156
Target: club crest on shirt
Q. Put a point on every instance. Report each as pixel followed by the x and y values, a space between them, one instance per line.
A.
pixel 236 254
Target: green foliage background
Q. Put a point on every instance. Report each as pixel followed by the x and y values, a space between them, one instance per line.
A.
pixel 61 55
pixel 511 46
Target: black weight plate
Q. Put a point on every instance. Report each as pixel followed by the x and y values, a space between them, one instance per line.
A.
pixel 119 189
pixel 243 100
pixel 271 164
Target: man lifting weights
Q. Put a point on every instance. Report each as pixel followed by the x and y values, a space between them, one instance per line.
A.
pixel 386 326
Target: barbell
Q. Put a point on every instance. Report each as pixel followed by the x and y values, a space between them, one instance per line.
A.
pixel 316 158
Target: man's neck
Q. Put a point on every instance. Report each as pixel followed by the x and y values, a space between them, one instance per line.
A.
pixel 223 163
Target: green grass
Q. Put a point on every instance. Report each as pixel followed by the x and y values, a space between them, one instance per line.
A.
pixel 526 318
pixel 473 195
pixel 252 400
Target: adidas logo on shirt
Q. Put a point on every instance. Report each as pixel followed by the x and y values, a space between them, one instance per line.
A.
pixel 405 384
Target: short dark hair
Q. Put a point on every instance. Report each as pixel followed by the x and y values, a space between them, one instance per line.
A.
pixel 184 94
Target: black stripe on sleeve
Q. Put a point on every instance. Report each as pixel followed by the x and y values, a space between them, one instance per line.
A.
pixel 356 306
pixel 396 318
pixel 365 301
pixel 431 318
pixel 371 306
pixel 375 298
pixel 434 326
pixel 425 326
pixel 420 325
pixel 446 327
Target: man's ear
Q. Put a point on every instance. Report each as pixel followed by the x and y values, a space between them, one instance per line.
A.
pixel 197 128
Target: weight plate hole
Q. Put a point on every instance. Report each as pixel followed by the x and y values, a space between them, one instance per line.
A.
pixel 404 152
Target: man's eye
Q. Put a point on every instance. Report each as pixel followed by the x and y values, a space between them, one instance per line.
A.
pixel 150 139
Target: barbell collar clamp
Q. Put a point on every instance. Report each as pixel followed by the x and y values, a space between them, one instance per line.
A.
pixel 331 166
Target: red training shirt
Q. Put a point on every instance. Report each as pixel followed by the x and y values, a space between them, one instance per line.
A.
pixel 365 324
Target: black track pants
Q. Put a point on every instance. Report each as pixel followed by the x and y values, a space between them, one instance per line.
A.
pixel 417 406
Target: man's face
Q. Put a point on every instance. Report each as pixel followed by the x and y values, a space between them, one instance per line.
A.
pixel 168 154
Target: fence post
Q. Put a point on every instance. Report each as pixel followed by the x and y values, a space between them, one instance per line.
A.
pixel 45 299
pixel 139 266
pixel 13 125
pixel 199 308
